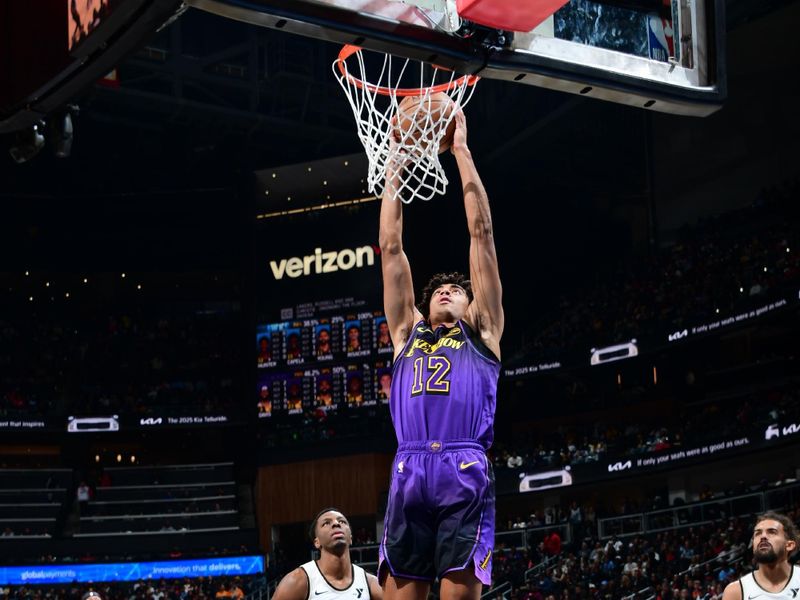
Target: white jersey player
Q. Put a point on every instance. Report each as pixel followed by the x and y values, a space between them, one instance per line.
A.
pixel 333 576
pixel 775 539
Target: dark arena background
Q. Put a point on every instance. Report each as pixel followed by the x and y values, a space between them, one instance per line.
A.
pixel 185 222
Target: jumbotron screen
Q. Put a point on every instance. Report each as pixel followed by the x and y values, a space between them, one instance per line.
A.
pixel 321 341
pixel 325 363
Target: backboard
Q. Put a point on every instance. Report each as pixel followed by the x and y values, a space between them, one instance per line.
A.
pixel 661 55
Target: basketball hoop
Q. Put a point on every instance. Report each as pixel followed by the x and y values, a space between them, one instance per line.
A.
pixel 375 106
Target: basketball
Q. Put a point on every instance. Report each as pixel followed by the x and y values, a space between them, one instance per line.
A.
pixel 412 119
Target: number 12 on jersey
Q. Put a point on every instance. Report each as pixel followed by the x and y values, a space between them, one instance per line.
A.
pixel 431 375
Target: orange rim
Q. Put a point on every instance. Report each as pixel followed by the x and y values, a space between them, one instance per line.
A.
pixel 348 50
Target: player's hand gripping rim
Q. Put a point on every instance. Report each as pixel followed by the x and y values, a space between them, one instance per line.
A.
pixel 460 134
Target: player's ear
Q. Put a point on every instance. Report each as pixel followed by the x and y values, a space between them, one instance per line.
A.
pixel 791 546
pixel 317 545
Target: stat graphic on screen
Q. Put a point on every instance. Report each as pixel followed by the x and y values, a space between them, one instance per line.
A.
pixel 325 364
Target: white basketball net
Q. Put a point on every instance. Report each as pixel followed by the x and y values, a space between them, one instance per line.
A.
pixel 375 104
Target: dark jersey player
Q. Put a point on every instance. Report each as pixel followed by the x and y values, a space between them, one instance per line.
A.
pixel 440 516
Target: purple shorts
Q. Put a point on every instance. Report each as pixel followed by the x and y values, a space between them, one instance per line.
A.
pixel 440 514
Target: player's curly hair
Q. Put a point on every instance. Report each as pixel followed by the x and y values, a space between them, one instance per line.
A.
pixel 436 282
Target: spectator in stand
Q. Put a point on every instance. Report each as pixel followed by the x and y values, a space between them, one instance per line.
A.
pixel 552 543
pixel 83 492
pixel 236 591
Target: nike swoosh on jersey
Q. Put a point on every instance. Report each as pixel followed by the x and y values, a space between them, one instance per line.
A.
pixel 464 465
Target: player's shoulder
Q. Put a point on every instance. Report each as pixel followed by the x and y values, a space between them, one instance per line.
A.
pixel 733 591
pixel 293 586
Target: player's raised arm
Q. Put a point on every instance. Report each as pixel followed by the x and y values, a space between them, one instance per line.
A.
pixel 398 288
pixel 486 311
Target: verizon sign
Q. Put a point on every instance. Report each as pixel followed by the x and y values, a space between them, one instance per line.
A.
pixel 323 262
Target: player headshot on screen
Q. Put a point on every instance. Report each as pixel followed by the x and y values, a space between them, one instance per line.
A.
pixel 384 340
pixel 440 515
pixel 294 397
pixel 323 341
pixel 264 401
pixel 353 338
pixel 384 386
pixel 324 392
pixel 293 346
pixel 264 351
pixel 355 390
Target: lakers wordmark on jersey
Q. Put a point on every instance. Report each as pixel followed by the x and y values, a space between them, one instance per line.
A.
pixel 444 386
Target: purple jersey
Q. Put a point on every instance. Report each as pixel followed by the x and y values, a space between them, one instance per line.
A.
pixel 444 386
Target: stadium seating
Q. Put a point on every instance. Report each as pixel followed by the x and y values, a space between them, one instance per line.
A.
pixel 146 500
pixel 32 503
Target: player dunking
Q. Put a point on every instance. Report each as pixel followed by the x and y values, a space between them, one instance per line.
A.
pixel 440 514
pixel 774 541
pixel 333 576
